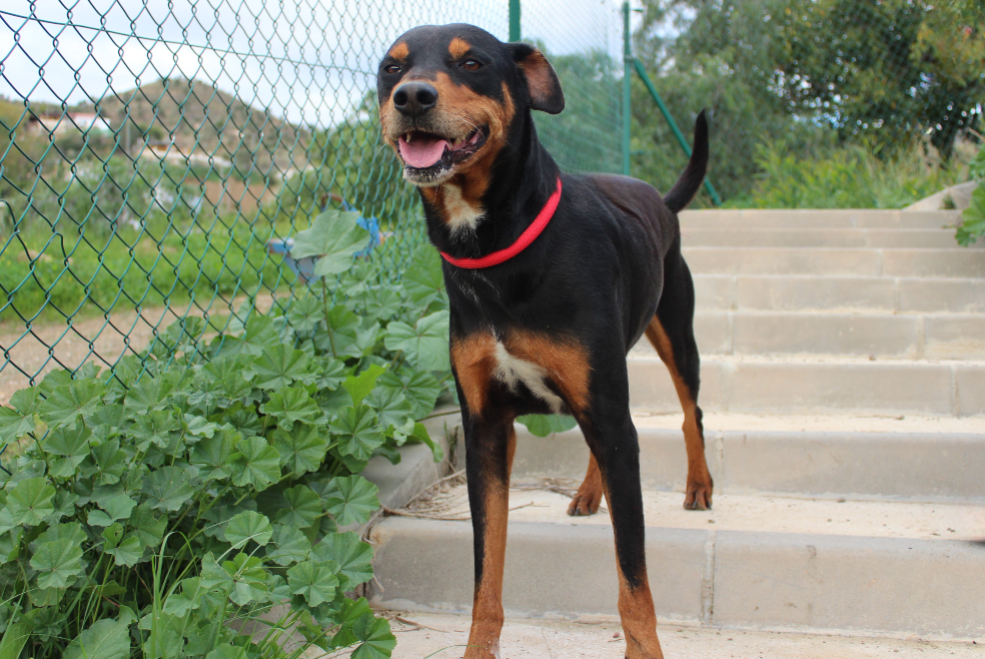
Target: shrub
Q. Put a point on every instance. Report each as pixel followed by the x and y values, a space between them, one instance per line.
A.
pixel 200 492
pixel 973 218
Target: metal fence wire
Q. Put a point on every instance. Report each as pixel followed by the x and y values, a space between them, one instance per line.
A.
pixel 150 152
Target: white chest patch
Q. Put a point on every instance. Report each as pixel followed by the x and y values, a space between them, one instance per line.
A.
pixel 511 371
pixel 461 214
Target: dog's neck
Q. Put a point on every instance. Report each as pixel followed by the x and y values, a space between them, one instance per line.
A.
pixel 487 207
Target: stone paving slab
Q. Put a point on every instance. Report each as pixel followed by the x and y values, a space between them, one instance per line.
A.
pixel 825 218
pixel 927 465
pixel 844 293
pixel 801 237
pixel 442 636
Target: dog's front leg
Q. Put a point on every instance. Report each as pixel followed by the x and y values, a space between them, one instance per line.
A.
pixel 614 443
pixel 489 447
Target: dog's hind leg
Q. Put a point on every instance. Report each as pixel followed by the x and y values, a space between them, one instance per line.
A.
pixel 586 501
pixel 488 460
pixel 672 334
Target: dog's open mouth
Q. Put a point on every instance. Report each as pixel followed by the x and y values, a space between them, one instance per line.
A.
pixel 427 151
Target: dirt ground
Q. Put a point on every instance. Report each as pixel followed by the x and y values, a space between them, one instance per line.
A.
pixel 52 345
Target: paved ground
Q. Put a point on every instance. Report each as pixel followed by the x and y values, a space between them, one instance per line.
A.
pixel 52 345
pixel 443 636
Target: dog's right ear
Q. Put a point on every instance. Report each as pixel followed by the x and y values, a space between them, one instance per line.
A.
pixel 545 88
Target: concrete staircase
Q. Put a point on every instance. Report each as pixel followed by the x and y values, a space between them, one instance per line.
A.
pixel 843 382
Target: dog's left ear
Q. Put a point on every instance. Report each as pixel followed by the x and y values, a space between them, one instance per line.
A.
pixel 545 88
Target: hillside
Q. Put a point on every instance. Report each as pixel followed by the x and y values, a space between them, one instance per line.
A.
pixel 210 120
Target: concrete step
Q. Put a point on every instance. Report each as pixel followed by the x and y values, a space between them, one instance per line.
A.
pixel 855 458
pixel 444 635
pixel 835 261
pixel 802 385
pixel 948 336
pixel 839 293
pixel 801 237
pixel 818 219
pixel 885 568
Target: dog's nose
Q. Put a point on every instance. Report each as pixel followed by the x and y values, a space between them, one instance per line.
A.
pixel 415 98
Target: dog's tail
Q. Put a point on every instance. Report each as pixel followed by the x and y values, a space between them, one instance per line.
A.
pixel 687 185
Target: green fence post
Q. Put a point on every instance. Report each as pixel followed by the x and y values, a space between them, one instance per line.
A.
pixel 514 20
pixel 673 124
pixel 627 59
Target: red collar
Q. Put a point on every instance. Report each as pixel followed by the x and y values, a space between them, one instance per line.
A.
pixel 523 242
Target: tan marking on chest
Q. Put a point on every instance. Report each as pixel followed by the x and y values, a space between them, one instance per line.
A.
pixel 534 360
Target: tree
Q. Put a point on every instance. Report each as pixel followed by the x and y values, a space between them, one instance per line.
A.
pixel 883 69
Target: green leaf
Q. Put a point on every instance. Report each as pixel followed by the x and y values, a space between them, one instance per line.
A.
pixel 126 550
pixel 357 432
pixel 291 405
pixel 72 444
pixel 118 507
pixel 255 463
pixel 420 388
pixel 303 507
pixel 106 639
pixel 227 651
pixel 305 314
pixel 58 563
pixel 423 279
pixel 290 545
pixel 179 604
pixel 249 579
pixel 302 449
pixel 248 526
pixel 543 425
pixel 168 488
pixel 359 386
pixel 18 419
pixel 391 406
pixel 315 581
pixel 351 499
pixel 149 529
pixel 354 557
pixel 68 402
pixel 14 639
pixel 384 303
pixel 165 639
pixel 211 455
pixel 426 344
pixel 330 372
pixel 30 501
pixel 334 237
pixel 377 640
pixel 278 366
pixel 10 545
pixel 110 462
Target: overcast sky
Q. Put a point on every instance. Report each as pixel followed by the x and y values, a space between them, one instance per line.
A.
pixel 309 62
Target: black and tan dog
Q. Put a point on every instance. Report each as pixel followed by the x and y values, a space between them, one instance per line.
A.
pixel 552 278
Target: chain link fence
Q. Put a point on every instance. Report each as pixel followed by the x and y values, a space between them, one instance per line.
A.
pixel 152 154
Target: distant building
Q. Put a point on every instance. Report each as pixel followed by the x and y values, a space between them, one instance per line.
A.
pixel 60 123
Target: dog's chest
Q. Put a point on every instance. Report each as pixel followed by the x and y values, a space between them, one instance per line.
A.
pixel 513 371
pixel 460 213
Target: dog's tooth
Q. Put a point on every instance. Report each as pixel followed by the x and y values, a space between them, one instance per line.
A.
pixel 408 137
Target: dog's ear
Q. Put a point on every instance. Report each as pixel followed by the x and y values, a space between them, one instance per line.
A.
pixel 545 88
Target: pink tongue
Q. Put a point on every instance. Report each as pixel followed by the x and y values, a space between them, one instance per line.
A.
pixel 422 151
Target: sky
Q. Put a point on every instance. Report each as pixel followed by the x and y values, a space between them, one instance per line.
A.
pixel 307 61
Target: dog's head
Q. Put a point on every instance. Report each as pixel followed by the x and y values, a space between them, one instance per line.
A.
pixel 450 94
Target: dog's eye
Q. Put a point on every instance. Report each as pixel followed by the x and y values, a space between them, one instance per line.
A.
pixel 393 68
pixel 471 65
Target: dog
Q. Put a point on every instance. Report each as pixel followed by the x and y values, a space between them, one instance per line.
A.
pixel 551 279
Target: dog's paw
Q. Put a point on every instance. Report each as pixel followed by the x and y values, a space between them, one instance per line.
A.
pixel 585 503
pixel 698 496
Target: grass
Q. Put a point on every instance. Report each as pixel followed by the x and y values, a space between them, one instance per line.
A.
pixel 850 177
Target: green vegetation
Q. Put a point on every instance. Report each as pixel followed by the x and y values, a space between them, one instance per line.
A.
pixel 161 511
pixel 807 79
pixel 973 218
pixel 846 176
